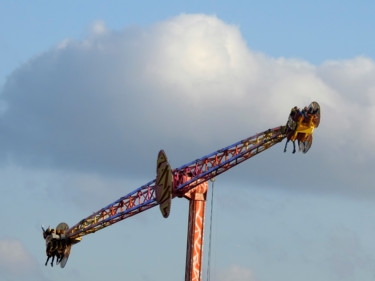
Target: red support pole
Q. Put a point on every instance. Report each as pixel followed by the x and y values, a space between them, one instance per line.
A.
pixel 194 251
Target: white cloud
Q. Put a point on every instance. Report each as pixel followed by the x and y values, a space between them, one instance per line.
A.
pixel 190 85
pixel 15 261
pixel 237 273
pixel 98 27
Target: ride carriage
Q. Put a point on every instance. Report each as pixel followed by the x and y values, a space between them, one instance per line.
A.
pixel 301 125
pixel 58 244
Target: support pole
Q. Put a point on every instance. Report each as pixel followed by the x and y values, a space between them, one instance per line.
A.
pixel 194 250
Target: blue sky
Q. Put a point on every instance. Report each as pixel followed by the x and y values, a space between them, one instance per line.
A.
pixel 311 30
pixel 83 87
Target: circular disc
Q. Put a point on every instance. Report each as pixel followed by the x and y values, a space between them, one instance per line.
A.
pixel 164 184
pixel 305 145
pixel 66 256
pixel 62 226
pixel 315 108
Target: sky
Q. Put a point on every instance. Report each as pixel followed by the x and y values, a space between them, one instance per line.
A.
pixel 91 91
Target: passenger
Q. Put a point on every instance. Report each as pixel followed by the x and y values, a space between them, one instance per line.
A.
pixel 313 111
pixel 54 235
pixel 45 232
pixel 304 111
pixel 294 113
pixel 48 234
pixel 298 113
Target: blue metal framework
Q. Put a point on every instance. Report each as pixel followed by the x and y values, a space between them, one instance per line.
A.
pixel 185 178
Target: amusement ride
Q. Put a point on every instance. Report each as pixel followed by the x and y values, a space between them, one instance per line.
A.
pixel 189 181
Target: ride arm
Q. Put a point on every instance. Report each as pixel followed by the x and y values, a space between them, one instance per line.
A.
pixel 135 202
pixel 190 175
pixel 185 178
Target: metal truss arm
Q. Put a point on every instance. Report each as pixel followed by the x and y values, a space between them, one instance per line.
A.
pixel 185 178
pixel 210 166
pixel 135 202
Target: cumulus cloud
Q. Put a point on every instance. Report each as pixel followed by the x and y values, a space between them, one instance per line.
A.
pixel 237 273
pixel 16 262
pixel 191 85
